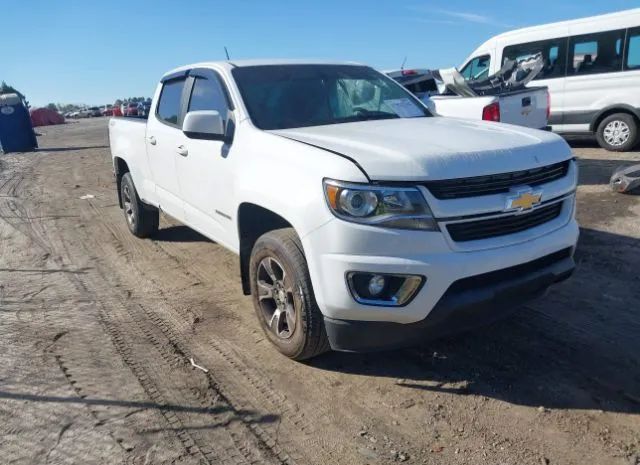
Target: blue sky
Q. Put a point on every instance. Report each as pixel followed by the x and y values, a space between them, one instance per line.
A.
pixel 96 51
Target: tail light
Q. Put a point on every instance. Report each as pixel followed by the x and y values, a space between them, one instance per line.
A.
pixel 548 106
pixel 409 72
pixel 491 112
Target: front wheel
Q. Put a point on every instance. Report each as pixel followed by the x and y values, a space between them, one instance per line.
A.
pixel 143 220
pixel 618 132
pixel 283 296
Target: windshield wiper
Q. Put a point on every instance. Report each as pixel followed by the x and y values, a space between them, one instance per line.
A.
pixel 364 115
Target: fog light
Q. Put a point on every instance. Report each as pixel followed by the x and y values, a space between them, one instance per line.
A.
pixel 376 285
pixel 390 290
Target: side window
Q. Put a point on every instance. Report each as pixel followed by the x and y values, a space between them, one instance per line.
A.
pixel 596 53
pixel 169 104
pixel 633 49
pixel 478 68
pixel 553 52
pixel 207 94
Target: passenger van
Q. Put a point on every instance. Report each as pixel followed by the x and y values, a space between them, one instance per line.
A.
pixel 592 70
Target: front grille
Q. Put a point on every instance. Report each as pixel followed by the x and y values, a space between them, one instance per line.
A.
pixel 484 229
pixel 495 183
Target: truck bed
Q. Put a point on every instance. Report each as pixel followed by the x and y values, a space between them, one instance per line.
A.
pixel 523 107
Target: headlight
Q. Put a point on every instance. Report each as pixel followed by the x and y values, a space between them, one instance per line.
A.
pixel 391 207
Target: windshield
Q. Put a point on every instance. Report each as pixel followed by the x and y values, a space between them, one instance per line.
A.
pixel 294 96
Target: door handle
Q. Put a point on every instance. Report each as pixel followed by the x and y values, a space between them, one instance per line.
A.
pixel 182 150
pixel 152 140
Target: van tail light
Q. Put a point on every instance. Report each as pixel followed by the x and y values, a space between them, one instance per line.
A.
pixel 491 112
pixel 548 106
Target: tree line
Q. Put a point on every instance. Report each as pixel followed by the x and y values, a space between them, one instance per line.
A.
pixel 65 107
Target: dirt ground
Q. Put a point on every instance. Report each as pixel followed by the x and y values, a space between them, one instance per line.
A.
pixel 97 329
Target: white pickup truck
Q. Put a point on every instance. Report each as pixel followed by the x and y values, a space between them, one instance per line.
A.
pixel 361 221
pixel 526 106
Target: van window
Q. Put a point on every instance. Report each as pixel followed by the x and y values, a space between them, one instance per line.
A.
pixel 477 68
pixel 553 52
pixel 633 49
pixel 207 94
pixel 169 103
pixel 596 53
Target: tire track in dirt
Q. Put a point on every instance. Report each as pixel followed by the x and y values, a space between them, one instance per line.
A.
pixel 194 443
pixel 172 350
pixel 295 422
pixel 181 349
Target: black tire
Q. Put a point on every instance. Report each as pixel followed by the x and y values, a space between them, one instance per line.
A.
pixel 143 220
pixel 623 121
pixel 308 338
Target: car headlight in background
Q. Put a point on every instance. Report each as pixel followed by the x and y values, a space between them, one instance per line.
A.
pixel 391 207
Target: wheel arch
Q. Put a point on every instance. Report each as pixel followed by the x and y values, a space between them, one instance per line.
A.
pixel 612 109
pixel 120 168
pixel 254 221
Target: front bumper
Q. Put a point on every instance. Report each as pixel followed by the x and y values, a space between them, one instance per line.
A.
pixel 466 304
pixel 339 247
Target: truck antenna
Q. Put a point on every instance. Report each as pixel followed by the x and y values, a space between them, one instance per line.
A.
pixel 226 52
pixel 403 62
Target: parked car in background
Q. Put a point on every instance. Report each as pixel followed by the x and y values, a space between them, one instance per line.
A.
pixel 528 107
pixel 84 113
pixel 362 224
pixel 116 111
pixel 592 70
pixel 132 109
pixel 107 110
pixel 93 112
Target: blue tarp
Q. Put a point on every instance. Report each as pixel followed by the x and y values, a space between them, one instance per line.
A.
pixel 16 131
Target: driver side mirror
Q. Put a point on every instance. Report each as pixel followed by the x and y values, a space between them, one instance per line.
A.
pixel 204 124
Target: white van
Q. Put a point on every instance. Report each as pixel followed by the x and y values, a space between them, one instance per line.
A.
pixel 592 70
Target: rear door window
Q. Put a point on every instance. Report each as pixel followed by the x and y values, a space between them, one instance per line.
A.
pixel 596 53
pixel 633 49
pixel 169 103
pixel 553 53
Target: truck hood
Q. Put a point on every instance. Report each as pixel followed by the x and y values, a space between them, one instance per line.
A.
pixel 434 148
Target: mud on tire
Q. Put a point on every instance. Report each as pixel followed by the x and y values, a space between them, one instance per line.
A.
pixel 280 282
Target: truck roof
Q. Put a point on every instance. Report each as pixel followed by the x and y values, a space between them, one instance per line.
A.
pixel 229 64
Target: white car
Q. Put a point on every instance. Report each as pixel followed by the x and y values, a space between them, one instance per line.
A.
pixel 592 70
pixel 361 221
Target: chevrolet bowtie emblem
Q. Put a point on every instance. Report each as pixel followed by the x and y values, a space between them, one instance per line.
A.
pixel 524 200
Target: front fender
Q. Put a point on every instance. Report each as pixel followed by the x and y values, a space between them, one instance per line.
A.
pixel 285 177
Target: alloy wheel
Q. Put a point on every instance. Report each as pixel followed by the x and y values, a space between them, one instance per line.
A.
pixel 275 297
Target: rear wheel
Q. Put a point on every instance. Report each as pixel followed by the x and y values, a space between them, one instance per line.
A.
pixel 143 220
pixel 618 132
pixel 283 296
